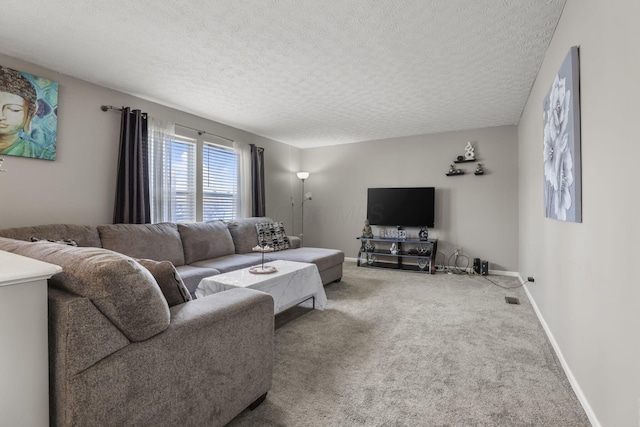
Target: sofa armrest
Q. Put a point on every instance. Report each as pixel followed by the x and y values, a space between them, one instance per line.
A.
pixel 216 307
pixel 294 242
pixel 79 334
pixel 214 360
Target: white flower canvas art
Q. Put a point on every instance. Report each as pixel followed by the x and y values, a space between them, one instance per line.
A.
pixel 561 155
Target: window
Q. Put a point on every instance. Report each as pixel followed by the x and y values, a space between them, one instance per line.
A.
pixel 219 183
pixel 192 180
pixel 173 179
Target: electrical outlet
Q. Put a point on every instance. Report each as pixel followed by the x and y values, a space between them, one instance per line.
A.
pixel 530 279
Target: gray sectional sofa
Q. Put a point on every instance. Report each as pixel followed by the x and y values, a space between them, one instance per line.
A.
pixel 128 343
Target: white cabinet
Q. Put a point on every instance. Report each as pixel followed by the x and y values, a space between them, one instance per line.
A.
pixel 24 362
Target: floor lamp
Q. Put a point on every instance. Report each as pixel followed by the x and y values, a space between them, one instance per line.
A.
pixel 302 176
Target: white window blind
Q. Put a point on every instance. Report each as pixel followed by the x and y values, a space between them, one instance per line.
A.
pixel 175 189
pixel 219 183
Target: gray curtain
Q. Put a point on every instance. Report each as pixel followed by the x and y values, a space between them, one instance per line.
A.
pixel 132 188
pixel 257 181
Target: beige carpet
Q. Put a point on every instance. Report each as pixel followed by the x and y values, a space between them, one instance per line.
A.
pixel 404 349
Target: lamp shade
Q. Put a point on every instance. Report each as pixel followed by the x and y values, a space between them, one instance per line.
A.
pixel 303 175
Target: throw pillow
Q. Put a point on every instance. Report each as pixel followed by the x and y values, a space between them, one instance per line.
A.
pixel 273 234
pixel 69 242
pixel 171 285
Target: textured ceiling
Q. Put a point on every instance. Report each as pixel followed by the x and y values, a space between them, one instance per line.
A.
pixel 304 72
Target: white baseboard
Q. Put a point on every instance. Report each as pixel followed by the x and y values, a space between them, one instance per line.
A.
pixel 505 273
pixel 572 380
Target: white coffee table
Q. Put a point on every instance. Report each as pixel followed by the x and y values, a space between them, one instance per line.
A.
pixel 294 283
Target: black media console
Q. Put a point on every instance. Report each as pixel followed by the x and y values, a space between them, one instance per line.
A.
pixel 400 254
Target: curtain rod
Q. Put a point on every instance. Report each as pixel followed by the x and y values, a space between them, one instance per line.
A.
pixel 200 132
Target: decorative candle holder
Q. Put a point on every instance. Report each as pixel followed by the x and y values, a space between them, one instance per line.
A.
pixel 262 269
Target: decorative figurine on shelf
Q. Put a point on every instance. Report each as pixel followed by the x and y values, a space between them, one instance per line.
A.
pixel 424 234
pixel 479 170
pixel 469 152
pixel 423 250
pixel 394 249
pixel 369 246
pixel 367 231
pixel 453 171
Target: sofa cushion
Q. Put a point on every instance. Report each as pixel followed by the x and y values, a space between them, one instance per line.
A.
pixel 273 235
pixel 84 235
pixel 204 240
pixel 244 233
pixel 159 242
pixel 191 276
pixel 168 279
pixel 118 286
pixel 233 262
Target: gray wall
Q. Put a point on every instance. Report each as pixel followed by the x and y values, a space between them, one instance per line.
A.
pixel 478 213
pixel 586 284
pixel 78 187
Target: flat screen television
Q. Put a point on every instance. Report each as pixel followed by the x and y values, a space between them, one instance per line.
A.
pixel 406 207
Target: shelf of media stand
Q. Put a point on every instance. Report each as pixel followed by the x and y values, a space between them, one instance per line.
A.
pixel 396 260
pixel 397 240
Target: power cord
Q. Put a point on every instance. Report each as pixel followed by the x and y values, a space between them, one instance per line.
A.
pixel 444 258
pixel 505 287
pixel 456 269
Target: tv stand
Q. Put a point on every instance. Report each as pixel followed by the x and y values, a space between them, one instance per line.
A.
pixel 410 255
